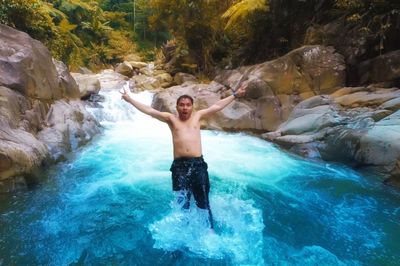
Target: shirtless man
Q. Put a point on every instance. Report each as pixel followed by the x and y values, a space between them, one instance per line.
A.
pixel 189 170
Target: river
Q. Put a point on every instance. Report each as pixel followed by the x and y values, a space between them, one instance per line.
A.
pixel 111 203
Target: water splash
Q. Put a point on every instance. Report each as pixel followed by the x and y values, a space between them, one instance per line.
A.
pixel 237 237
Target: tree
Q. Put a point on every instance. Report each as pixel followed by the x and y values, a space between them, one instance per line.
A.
pixel 195 25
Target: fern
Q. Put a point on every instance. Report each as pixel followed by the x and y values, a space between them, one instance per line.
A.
pixel 243 9
pixel 65 26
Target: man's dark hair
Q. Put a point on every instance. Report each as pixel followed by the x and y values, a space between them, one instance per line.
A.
pixel 185 96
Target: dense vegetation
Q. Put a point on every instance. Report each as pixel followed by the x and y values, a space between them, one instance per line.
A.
pixel 206 33
pixel 79 32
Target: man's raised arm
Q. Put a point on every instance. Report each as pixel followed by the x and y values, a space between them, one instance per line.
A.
pixel 162 116
pixel 221 104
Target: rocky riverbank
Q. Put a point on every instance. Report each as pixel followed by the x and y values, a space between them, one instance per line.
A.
pixel 41 115
pixel 299 101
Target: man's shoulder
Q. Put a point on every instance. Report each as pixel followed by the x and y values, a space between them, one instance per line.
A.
pixel 198 114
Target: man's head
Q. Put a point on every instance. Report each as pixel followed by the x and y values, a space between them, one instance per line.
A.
pixel 184 106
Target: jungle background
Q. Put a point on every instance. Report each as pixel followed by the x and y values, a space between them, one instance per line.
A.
pixel 204 34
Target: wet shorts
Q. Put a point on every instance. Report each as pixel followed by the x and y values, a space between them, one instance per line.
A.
pixel 190 174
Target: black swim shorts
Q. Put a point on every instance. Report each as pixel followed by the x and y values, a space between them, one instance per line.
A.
pixel 190 174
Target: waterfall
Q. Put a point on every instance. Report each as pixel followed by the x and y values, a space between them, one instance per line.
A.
pixel 114 109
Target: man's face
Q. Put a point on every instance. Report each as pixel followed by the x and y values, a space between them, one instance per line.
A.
pixel 184 108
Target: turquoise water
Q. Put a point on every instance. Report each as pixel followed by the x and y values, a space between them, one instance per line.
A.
pixel 112 204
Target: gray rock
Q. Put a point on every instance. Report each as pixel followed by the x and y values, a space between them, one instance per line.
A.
pixel 26 66
pixel 393 104
pixel 125 69
pixel 180 78
pixel 143 82
pixel 382 68
pixel 137 64
pixel 363 135
pixel 110 80
pixel 88 84
pixel 66 81
pixel 39 116
pixel 20 151
pixel 84 70
pixel 69 127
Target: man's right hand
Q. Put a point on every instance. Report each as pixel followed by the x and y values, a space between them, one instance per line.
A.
pixel 124 95
pixel 241 91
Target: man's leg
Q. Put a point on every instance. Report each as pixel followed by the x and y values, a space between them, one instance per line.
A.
pixel 183 198
pixel 207 203
pixel 180 183
pixel 201 189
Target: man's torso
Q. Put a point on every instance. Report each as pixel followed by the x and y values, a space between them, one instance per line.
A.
pixel 186 137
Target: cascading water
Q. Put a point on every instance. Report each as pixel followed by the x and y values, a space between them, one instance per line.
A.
pixel 111 203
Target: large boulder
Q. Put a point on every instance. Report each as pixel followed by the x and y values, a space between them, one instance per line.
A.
pixel 69 127
pixel 20 112
pixel 30 137
pixel 359 43
pixel 26 66
pixel 380 145
pixel 367 97
pixel 382 68
pixel 20 152
pixel 38 100
pixel 238 115
pixel 66 81
pixel 20 155
pixel 309 69
pixel 349 41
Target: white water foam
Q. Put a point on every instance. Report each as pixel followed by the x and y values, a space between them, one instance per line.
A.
pixel 114 109
pixel 238 231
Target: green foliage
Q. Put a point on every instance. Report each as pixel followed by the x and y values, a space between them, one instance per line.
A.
pixel 27 15
pixel 96 33
pixel 78 32
pixel 196 26
pixel 246 21
pixel 349 4
pixel 375 19
pixel 243 9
